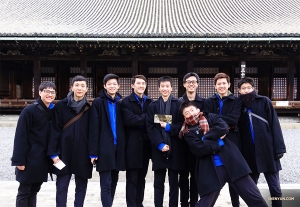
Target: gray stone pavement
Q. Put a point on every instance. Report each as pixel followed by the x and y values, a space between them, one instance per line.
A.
pixel 46 197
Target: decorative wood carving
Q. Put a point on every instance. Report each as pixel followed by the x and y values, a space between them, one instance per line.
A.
pixel 109 53
pixel 212 52
pixel 266 52
pixel 14 52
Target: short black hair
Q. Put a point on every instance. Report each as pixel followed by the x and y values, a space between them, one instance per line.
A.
pixel 189 75
pixel 47 84
pixel 138 76
pixel 186 104
pixel 163 79
pixel 79 78
pixel 245 80
pixel 110 76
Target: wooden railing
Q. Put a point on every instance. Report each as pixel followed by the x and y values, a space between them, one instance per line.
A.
pixel 287 106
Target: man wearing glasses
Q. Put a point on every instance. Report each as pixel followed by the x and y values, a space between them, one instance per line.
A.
pixel 188 187
pixel 262 141
pixel 30 145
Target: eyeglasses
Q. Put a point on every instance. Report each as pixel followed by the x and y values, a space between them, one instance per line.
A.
pixel 244 88
pixel 191 82
pixel 49 92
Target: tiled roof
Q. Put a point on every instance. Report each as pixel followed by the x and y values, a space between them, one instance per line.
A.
pixel 150 18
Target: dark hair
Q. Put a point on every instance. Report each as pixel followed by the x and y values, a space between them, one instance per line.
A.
pixel 245 80
pixel 47 84
pixel 163 79
pixel 189 75
pixel 138 76
pixel 221 75
pixel 186 104
pixel 79 78
pixel 110 76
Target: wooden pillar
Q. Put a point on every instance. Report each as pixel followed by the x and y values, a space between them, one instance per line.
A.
pixel 290 77
pixel 134 64
pixel 12 84
pixel 37 75
pixel 83 66
pixel 190 62
pixel 264 76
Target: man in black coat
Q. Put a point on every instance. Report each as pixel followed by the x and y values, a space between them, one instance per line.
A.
pixel 218 159
pixel 167 148
pixel 69 144
pixel 188 187
pixel 138 150
pixel 262 139
pixel 107 137
pixel 30 145
pixel 228 107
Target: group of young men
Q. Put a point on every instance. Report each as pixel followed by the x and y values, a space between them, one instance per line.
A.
pixel 206 143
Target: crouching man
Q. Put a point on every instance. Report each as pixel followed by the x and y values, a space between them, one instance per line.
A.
pixel 218 159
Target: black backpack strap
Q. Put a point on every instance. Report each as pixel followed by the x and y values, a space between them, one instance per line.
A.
pixel 46 113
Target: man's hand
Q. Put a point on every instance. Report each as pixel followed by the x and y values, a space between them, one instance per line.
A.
pixel 163 124
pixel 55 159
pixel 93 160
pixel 21 167
pixel 278 156
pixel 165 148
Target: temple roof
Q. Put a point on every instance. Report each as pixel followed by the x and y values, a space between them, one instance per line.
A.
pixel 150 18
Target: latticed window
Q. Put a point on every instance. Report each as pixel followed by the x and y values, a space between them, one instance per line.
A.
pixel 279 88
pixel 153 88
pixel 77 70
pixel 125 87
pixel 43 79
pixel 255 80
pixel 90 92
pixel 206 87
pixel 206 70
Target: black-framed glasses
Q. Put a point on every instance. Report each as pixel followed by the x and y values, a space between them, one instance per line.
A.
pixel 49 92
pixel 191 82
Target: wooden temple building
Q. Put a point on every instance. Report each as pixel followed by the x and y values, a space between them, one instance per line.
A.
pixel 56 40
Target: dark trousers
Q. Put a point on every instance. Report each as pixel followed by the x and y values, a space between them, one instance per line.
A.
pixel 274 185
pixel 159 187
pixel 244 186
pixel 234 196
pixel 188 188
pixel 27 194
pixel 62 185
pixel 135 186
pixel 108 184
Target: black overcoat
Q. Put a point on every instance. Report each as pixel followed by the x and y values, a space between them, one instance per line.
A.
pixel 101 140
pixel 190 157
pixel 176 158
pixel 268 137
pixel 231 112
pixel 30 144
pixel 71 144
pixel 199 101
pixel 134 119
pixel 206 175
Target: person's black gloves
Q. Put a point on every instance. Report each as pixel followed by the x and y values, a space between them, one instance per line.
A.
pixel 278 156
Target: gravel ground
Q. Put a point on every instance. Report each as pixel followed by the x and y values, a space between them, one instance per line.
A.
pixel 290 162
